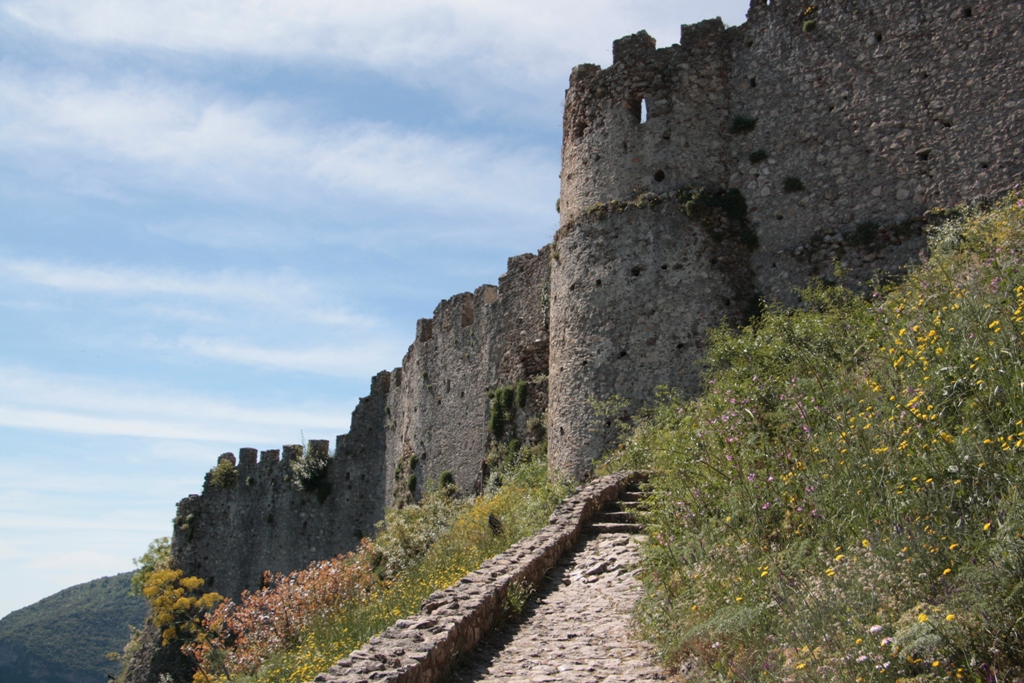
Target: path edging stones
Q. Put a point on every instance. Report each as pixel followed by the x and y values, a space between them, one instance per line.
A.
pixel 421 648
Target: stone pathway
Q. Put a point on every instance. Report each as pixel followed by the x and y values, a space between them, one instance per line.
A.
pixel 575 627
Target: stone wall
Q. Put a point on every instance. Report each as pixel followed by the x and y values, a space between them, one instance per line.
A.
pixel 634 289
pixel 421 649
pixel 439 406
pixel 840 125
pixel 264 521
pixel 428 417
pixel 821 135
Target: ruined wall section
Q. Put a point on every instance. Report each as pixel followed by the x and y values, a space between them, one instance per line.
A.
pixel 610 153
pixel 437 412
pixel 634 289
pixel 882 110
pixel 263 521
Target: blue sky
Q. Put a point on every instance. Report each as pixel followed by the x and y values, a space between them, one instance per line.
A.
pixel 220 218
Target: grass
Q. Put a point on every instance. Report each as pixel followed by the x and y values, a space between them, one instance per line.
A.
pixel 844 501
pixel 419 549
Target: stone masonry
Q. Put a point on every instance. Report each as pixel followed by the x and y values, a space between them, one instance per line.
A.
pixel 422 648
pixel 820 134
pixel 576 628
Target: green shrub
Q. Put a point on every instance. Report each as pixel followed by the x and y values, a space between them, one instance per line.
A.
pixel 521 393
pixel 224 475
pixel 844 500
pixel 157 556
pixel 810 25
pixel 411 483
pixel 502 410
pixel 310 466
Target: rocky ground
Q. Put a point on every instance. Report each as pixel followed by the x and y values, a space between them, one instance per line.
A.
pixel 576 627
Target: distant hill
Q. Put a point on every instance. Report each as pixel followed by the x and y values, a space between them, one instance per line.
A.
pixel 65 638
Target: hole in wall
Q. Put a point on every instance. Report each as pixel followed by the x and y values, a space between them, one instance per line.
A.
pixel 623 354
pixel 753 82
pixel 714 261
pixel 778 216
pixel 680 345
pixel 635 271
pixel 878 36
pixel 643 110
pixel 598 283
pixel 727 301
pixel 664 266
pixel 966 12
pixel 659 175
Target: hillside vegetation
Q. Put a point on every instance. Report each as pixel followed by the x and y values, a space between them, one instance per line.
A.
pixel 844 501
pixel 65 638
pixel 301 623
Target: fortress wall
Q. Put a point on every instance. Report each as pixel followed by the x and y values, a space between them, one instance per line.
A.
pixel 883 111
pixel 265 522
pixel 633 292
pixel 438 409
pixel 608 153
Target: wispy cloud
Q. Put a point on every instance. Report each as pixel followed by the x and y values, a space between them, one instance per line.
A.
pixel 258 151
pixel 359 361
pixel 515 44
pixel 282 293
pixel 88 405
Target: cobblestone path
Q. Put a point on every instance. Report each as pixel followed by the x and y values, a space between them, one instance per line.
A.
pixel 575 627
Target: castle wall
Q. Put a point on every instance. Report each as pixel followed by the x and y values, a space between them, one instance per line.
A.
pixel 265 522
pixel 863 119
pixel 434 407
pixel 609 154
pixel 875 112
pixel 634 290
pixel 439 407
pixel 883 111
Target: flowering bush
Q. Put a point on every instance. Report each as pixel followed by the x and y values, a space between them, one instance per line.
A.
pixel 844 501
pixel 301 623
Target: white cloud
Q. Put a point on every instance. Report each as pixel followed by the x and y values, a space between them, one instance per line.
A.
pixel 354 361
pixel 258 151
pixel 282 293
pixel 518 44
pixel 89 405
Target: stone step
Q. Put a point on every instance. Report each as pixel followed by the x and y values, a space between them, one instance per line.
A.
pixel 615 528
pixel 618 505
pixel 615 516
pixel 631 496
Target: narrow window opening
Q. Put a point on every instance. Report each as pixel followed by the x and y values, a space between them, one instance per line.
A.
pixel 643 110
